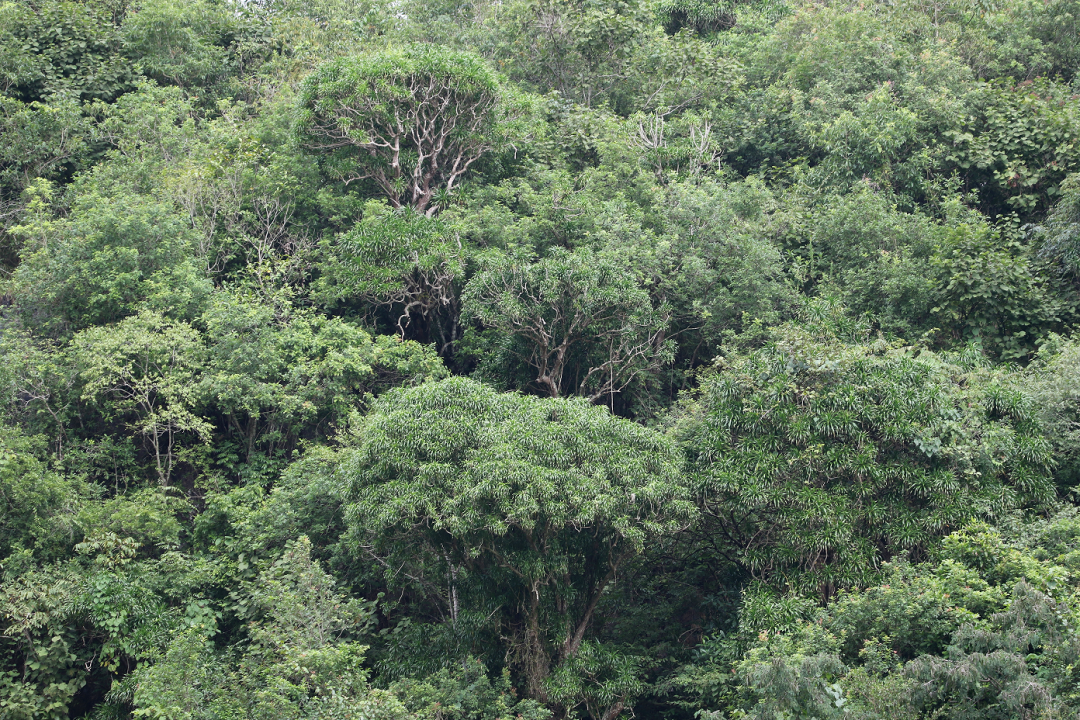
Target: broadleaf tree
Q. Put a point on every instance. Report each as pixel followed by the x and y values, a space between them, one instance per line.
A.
pixel 458 491
pixel 816 457
pixel 144 369
pixel 578 310
pixel 404 261
pixel 413 121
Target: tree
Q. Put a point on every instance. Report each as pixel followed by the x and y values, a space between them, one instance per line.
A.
pixel 184 44
pixel 1019 144
pixel 298 664
pixel 472 492
pixel 114 252
pixel 610 55
pixel 466 693
pixel 59 46
pixel 987 289
pixel 413 121
pixel 403 260
pixel 985 630
pixel 815 457
pixel 38 504
pixel 572 307
pixel 879 257
pixel 1060 238
pixel 277 372
pixel 1053 379
pixel 703 16
pixel 38 644
pixel 45 140
pixel 144 368
pixel 714 266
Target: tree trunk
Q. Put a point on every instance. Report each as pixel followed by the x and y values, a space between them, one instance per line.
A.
pixel 613 712
pixel 536 662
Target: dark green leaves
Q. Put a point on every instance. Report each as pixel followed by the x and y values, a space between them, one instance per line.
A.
pixel 819 458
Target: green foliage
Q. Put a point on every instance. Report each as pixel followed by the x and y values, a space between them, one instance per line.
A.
pixel 181 682
pixel 913 612
pixel 279 372
pixel 791 675
pixel 610 55
pixel 413 121
pixel 147 129
pixel 981 632
pixel 1055 388
pixel 38 503
pixel 59 46
pixel 713 267
pixel 296 666
pixel 817 456
pixel 45 140
pixel 555 303
pixel 69 629
pixel 988 291
pixel 706 16
pixel 400 259
pixel 1020 145
pixel 109 257
pixel 185 45
pixel 144 520
pixel 146 366
pixel 598 679
pixel 466 693
pixel 987 673
pixel 876 140
pixel 259 259
pixel 408 255
pixel 38 648
pixel 546 499
pixel 879 258
pixel 1061 241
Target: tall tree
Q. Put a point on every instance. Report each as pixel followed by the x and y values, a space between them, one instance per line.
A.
pixel 815 457
pixel 413 121
pixel 407 262
pixel 540 501
pixel 144 369
pixel 572 307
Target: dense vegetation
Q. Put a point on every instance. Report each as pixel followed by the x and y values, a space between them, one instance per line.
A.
pixel 481 359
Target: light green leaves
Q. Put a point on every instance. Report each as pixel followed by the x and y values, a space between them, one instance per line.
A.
pixel 413 121
pixel 564 301
pixel 473 462
pixel 540 501
pixel 146 367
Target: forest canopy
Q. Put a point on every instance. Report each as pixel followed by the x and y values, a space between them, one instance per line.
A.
pixel 539 359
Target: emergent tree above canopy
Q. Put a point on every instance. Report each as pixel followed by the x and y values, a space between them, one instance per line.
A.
pixel 413 121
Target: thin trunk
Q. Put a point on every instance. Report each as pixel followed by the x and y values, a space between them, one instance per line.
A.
pixel 535 657
pixel 155 439
pixel 453 594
